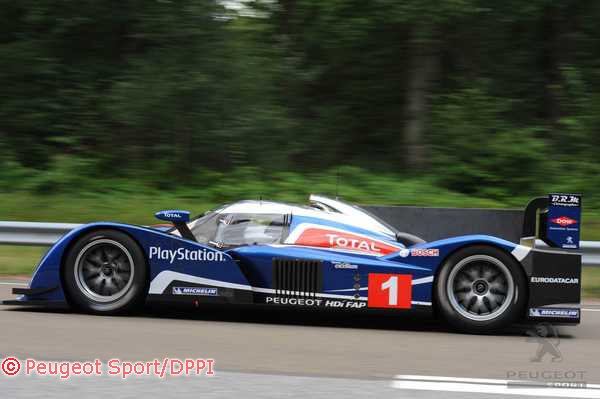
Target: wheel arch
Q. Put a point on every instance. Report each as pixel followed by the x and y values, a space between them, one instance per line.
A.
pixel 99 227
pixel 434 299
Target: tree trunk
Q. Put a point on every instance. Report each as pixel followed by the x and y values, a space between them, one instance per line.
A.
pixel 423 71
pixel 551 60
pixel 287 12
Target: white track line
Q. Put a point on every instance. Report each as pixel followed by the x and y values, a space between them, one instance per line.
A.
pixel 590 310
pixel 502 387
pixel 7 283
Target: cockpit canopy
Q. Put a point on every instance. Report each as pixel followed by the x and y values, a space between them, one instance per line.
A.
pixel 267 222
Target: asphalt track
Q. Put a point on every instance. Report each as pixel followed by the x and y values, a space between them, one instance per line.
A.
pixel 266 352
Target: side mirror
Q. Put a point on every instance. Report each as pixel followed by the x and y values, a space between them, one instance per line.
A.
pixel 175 216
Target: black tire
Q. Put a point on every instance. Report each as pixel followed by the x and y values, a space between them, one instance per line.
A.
pixel 473 289
pixel 105 272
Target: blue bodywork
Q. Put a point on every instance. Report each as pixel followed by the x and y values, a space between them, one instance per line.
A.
pixel 251 267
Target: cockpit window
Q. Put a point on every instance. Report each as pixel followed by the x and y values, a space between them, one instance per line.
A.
pixel 248 229
pixel 204 228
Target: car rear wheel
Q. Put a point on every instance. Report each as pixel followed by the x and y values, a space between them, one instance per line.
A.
pixel 105 272
pixel 480 289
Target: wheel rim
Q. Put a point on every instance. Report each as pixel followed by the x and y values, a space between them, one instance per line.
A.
pixel 480 287
pixel 104 270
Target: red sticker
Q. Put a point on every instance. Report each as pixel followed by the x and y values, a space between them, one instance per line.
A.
pixel 390 290
pixel 318 237
pixel 564 221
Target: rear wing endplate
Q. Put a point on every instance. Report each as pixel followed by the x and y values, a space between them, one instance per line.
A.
pixel 555 219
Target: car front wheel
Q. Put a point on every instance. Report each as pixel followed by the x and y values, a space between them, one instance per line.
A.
pixel 105 272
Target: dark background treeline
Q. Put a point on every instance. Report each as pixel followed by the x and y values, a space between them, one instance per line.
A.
pixel 490 99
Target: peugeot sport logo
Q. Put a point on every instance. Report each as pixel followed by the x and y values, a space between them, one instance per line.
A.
pixel 563 221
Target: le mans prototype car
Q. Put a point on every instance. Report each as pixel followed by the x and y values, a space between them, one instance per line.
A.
pixel 328 254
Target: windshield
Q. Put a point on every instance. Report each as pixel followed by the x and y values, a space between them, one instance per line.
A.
pixel 204 228
pixel 249 229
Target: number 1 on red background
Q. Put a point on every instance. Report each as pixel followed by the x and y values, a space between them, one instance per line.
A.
pixel 390 290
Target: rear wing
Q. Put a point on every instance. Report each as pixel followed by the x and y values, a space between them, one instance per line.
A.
pixel 555 219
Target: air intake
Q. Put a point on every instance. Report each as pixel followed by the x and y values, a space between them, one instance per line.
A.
pixel 297 277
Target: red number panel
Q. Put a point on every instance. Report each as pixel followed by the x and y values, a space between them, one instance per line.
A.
pixel 390 290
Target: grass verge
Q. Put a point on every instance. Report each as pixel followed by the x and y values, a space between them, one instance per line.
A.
pixel 19 259
pixel 590 280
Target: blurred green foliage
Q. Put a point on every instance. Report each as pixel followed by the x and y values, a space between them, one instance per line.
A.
pixel 119 99
pixel 71 198
pixel 62 193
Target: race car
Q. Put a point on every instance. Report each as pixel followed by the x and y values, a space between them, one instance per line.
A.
pixel 326 254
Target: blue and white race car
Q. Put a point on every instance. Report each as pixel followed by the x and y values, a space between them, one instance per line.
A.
pixel 327 254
